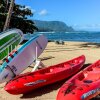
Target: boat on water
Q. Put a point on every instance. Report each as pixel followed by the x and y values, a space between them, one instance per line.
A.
pixel 33 80
pixel 83 86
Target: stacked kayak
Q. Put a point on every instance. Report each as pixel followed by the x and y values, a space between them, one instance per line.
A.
pixel 22 58
pixel 83 86
pixel 8 41
pixel 33 80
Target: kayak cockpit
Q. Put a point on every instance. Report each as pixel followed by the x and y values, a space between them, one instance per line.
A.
pixel 93 76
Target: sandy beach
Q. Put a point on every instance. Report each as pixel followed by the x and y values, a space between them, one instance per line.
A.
pixel 54 54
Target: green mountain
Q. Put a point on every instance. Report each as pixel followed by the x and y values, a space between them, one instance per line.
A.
pixel 52 26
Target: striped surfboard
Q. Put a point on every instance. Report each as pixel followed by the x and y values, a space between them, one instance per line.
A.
pixel 9 40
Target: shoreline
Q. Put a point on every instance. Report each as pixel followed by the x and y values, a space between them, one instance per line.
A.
pixel 54 54
pixel 78 36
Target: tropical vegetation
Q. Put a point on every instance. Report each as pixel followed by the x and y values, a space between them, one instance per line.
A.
pixel 19 19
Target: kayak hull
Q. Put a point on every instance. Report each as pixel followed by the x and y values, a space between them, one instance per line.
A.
pixel 33 80
pixel 83 86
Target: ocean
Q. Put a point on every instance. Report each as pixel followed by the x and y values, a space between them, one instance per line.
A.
pixel 69 36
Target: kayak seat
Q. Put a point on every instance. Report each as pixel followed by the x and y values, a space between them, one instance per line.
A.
pixel 90 69
pixel 92 75
pixel 38 73
pixel 67 65
pixel 51 70
pixel 75 61
pixel 55 69
pixel 44 71
pixel 96 69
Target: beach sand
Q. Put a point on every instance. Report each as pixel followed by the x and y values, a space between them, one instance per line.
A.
pixel 54 54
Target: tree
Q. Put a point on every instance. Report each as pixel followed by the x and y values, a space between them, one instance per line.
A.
pixel 19 17
pixel 7 22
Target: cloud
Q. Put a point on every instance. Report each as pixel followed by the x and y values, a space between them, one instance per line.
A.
pixel 27 7
pixel 43 12
pixel 33 10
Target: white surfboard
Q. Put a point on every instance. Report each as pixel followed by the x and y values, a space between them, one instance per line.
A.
pixel 21 59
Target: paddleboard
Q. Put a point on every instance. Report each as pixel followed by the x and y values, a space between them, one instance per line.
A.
pixel 8 41
pixel 22 58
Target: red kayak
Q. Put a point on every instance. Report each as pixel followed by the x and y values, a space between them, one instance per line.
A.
pixel 83 86
pixel 32 80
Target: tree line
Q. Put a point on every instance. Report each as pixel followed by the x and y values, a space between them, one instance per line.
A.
pixel 19 18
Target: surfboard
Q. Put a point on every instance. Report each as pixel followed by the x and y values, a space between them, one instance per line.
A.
pixel 8 41
pixel 22 58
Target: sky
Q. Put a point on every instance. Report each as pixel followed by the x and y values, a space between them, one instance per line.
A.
pixel 80 14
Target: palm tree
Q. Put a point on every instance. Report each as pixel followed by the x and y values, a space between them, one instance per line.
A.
pixel 7 22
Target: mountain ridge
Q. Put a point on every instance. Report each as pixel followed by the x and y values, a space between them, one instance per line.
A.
pixel 52 26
